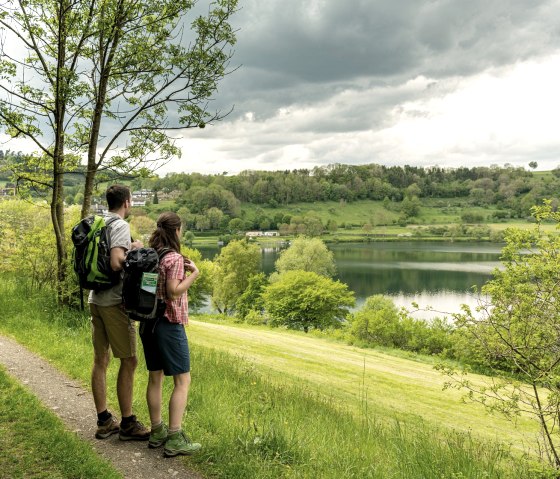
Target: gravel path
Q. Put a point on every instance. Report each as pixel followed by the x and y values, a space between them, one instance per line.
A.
pixel 74 405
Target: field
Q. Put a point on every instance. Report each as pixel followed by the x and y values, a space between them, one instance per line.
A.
pixel 349 374
pixel 272 404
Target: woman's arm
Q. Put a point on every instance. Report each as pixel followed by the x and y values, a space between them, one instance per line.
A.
pixel 176 288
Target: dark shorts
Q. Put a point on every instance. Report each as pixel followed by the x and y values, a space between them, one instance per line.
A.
pixel 165 347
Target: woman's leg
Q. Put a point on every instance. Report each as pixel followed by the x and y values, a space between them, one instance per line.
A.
pixel 153 396
pixel 178 400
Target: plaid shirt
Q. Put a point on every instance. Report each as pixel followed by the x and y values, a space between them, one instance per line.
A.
pixel 172 266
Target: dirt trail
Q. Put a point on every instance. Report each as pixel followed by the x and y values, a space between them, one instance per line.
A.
pixel 74 405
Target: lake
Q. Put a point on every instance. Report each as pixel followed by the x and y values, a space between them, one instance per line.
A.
pixel 440 275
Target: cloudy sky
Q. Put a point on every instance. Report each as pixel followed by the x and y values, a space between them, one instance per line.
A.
pixel 396 82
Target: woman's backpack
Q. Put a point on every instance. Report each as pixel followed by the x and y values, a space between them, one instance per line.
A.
pixel 140 284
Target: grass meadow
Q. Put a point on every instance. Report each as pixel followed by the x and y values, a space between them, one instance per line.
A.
pixel 272 404
pixel 28 432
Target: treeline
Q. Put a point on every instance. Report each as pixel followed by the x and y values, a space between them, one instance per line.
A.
pixel 508 187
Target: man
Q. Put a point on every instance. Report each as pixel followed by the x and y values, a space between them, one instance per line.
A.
pixel 112 327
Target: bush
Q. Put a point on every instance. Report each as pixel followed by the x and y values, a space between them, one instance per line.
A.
pixel 380 323
pixel 255 317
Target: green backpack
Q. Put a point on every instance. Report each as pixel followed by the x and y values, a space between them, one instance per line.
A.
pixel 92 254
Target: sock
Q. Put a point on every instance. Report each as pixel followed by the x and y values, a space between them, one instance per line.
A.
pixel 157 425
pixel 127 420
pixel 174 430
pixel 103 416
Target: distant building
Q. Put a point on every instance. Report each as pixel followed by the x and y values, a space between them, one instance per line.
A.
pixel 253 234
pixel 8 190
pixel 271 233
pixel 99 209
pixel 171 195
pixel 138 201
pixel 143 194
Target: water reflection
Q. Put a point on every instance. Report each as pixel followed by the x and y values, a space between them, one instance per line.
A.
pixel 440 275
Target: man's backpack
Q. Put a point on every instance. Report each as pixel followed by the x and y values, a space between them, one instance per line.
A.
pixel 92 254
pixel 140 284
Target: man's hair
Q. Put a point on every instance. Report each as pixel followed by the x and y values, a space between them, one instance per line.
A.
pixel 116 196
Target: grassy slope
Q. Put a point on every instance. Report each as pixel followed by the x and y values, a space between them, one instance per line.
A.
pixel 395 386
pixel 27 433
pixel 255 420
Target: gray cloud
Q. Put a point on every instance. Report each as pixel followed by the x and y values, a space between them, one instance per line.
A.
pixel 326 76
pixel 297 53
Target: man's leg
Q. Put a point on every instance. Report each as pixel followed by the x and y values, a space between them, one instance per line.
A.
pixel 101 359
pixel 99 379
pixel 125 384
pixel 107 424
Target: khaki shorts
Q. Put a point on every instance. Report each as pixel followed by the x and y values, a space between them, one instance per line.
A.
pixel 112 327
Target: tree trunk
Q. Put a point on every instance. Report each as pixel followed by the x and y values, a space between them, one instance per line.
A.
pixel 111 44
pixel 57 201
pixel 88 187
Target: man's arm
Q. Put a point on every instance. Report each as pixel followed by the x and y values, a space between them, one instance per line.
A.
pixel 117 258
pixel 118 255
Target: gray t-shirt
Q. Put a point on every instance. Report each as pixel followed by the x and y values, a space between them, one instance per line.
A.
pixel 119 237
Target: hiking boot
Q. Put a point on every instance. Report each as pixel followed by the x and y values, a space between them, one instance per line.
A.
pixel 178 443
pixel 106 428
pixel 158 436
pixel 134 431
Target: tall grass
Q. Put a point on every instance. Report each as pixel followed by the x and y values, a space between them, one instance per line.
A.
pixel 34 444
pixel 252 427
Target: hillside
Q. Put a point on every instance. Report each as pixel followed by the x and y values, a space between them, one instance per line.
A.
pixel 395 387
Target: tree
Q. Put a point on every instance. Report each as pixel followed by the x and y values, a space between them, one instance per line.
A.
pixel 188 237
pixel 142 226
pixel 304 300
pixel 533 164
pixel 251 299
pixel 410 207
pixel 378 323
pixel 214 216
pixel 235 264
pixel 235 225
pixel 104 75
pixel 518 330
pixel 307 254
pixel 202 287
pixel 314 226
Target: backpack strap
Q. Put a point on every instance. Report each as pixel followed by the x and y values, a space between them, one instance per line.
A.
pixel 163 252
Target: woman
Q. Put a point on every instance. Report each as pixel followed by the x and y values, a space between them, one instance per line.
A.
pixel 165 343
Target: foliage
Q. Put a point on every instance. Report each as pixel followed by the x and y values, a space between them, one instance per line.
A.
pixel 202 287
pixel 142 227
pixel 28 245
pixel 380 323
pixel 235 264
pixel 104 76
pixel 260 423
pixel 519 329
pixel 305 299
pixel 251 299
pixel 307 254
